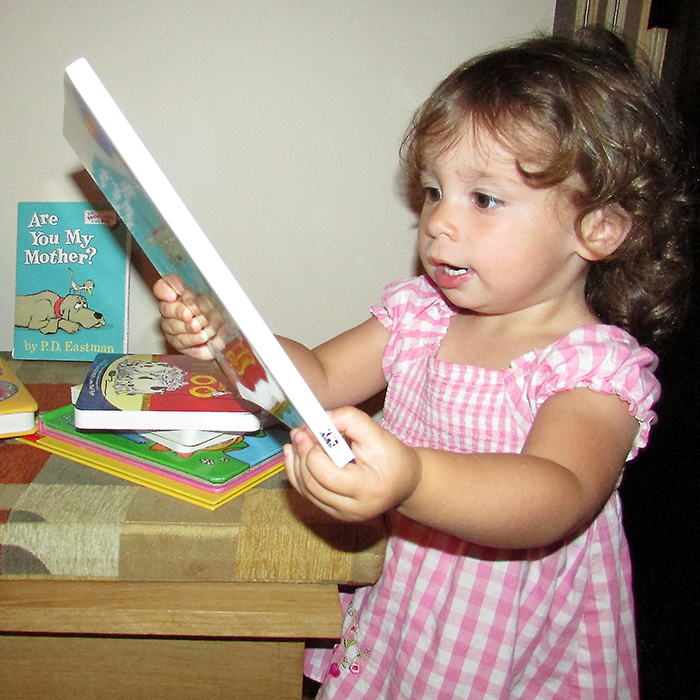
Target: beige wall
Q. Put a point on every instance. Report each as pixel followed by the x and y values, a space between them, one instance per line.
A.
pixel 277 122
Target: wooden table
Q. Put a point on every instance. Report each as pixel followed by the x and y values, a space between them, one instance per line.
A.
pixel 191 604
pixel 122 640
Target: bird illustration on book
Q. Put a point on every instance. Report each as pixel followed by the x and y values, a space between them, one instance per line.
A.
pixel 76 288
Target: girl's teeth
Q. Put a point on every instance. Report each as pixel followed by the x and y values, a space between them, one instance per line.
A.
pixel 455 271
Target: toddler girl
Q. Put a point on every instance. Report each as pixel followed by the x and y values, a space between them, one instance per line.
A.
pixel 552 213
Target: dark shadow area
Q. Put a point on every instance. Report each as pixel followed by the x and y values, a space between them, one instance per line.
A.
pixel 661 489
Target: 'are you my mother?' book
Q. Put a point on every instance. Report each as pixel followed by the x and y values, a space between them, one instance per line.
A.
pixel 72 288
pixel 159 392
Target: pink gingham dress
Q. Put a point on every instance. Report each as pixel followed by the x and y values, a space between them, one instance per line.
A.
pixel 449 619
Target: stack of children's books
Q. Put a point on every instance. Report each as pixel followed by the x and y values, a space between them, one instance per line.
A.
pixel 168 422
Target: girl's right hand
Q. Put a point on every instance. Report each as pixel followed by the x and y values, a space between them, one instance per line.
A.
pixel 182 323
pixel 384 473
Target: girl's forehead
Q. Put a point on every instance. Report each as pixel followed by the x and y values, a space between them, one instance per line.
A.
pixel 476 148
pixel 511 143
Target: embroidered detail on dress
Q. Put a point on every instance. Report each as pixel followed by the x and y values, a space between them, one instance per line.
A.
pixel 353 655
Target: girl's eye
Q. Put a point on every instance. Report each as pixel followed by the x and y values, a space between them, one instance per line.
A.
pixel 432 194
pixel 485 201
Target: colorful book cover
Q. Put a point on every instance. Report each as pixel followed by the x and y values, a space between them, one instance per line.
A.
pixel 17 406
pixel 213 466
pixel 72 283
pixel 159 392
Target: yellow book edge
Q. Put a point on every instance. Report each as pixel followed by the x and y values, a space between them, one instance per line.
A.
pixel 143 477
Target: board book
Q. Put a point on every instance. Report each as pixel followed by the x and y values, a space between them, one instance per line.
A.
pixel 72 282
pixel 159 392
pixel 168 234
pixel 17 406
pixel 208 478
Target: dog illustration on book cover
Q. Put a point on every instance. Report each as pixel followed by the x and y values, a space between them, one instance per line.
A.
pixel 48 311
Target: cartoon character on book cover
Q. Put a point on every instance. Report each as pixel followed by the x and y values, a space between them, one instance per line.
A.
pixel 72 281
pixel 156 383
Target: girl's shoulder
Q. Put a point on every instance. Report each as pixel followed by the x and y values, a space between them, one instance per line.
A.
pixel 602 358
pixel 413 301
pixel 596 346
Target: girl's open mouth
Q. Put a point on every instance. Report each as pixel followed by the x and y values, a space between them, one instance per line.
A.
pixel 449 277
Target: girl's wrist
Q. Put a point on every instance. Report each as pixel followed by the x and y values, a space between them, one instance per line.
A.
pixel 414 472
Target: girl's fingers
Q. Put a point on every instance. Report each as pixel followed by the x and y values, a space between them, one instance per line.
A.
pixel 288 452
pixel 164 292
pixel 183 325
pixel 298 455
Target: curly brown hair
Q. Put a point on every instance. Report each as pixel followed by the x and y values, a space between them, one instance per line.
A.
pixel 603 118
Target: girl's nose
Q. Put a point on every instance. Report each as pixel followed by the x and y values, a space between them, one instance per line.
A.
pixel 441 222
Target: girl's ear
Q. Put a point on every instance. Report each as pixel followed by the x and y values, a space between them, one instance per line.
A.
pixel 602 232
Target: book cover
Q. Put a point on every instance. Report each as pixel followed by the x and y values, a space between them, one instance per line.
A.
pixel 213 467
pixel 166 231
pixel 159 392
pixel 72 283
pixel 17 406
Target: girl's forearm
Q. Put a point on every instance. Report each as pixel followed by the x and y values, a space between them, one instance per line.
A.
pixel 500 500
pixel 345 370
pixel 310 368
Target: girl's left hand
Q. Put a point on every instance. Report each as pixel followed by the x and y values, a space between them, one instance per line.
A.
pixel 385 472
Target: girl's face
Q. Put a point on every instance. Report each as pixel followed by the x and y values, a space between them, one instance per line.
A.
pixel 492 243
